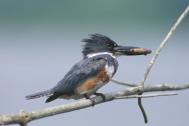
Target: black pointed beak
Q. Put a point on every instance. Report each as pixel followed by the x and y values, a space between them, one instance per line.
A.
pixel 131 51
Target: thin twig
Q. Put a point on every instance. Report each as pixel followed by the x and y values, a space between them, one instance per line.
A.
pixel 157 52
pixel 23 124
pixel 142 109
pixel 163 43
pixel 124 83
pixel 147 96
pixel 154 58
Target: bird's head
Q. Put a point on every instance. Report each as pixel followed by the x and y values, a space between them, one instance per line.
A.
pixel 98 43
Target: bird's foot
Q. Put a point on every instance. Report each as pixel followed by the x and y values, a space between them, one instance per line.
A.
pixel 101 95
pixel 92 100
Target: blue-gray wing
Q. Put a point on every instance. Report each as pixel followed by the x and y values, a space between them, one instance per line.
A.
pixel 79 73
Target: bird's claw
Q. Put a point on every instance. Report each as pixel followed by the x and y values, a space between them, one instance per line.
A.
pixel 101 95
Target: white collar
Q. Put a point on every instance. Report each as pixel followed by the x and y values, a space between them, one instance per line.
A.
pixel 100 53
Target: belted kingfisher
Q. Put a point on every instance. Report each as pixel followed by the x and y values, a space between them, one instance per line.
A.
pixel 98 66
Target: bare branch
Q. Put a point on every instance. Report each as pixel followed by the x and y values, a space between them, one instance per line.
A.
pixel 26 117
pixel 163 43
pixel 147 96
pixel 154 58
pixel 157 52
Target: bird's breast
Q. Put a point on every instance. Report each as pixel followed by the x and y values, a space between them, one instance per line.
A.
pixel 94 83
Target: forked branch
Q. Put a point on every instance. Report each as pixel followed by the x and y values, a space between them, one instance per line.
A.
pixel 24 118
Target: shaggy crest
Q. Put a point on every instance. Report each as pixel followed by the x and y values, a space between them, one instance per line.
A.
pixel 98 43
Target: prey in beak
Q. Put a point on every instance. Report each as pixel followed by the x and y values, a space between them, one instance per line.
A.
pixel 131 51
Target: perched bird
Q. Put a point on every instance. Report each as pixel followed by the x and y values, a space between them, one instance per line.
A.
pixel 98 66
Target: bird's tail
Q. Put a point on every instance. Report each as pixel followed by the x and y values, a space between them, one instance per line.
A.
pixel 39 94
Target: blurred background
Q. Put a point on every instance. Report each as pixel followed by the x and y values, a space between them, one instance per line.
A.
pixel 41 39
